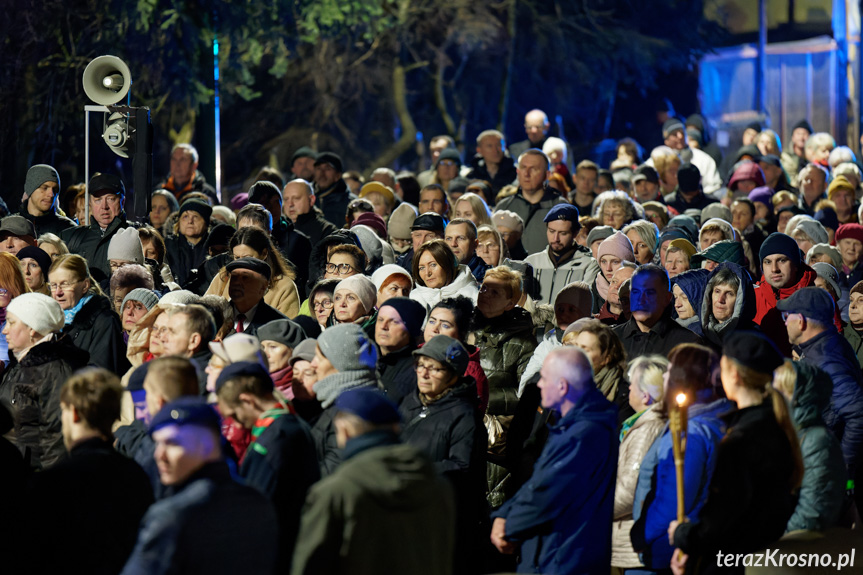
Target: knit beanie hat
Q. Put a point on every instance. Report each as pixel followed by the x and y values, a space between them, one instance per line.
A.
pixel 362 287
pixel 618 245
pixel 804 123
pixel 180 297
pixel 724 225
pixel 126 246
pixel 849 232
pixel 303 152
pixel 828 218
pixel 839 183
pixel 384 273
pixel 814 230
pixel 304 351
pixel 685 223
pixel 829 274
pixel 38 311
pixel 576 294
pixel 197 206
pixel 777 243
pixel 38 175
pixel 401 220
pixel 373 221
pixel 762 195
pixel 348 347
pixel 371 245
pixel 716 210
pixel 148 298
pixel 412 312
pixel 261 192
pixel 37 254
pixel 508 219
pixel 827 249
pixel 599 233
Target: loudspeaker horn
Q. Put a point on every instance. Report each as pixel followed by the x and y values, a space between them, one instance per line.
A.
pixel 107 80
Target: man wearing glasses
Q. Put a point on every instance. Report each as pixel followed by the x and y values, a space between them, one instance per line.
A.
pixel 107 195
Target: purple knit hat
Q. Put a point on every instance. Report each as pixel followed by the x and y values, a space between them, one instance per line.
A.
pixel 762 194
pixel 618 245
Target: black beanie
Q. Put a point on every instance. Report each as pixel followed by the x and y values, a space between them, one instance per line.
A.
pixel 197 206
pixel 804 123
pixel 777 243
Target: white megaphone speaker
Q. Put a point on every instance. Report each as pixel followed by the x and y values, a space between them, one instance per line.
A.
pixel 107 80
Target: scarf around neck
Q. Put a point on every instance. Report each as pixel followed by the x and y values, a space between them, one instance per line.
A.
pixel 329 388
pixel 71 313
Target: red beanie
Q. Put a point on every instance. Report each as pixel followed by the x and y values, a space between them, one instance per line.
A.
pixel 850 232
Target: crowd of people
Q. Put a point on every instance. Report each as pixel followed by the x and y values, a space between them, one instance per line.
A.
pixel 469 369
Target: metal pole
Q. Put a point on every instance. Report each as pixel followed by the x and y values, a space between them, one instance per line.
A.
pixel 761 63
pixel 218 132
pixel 86 167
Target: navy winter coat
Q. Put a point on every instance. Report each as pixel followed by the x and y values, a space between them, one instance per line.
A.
pixel 562 516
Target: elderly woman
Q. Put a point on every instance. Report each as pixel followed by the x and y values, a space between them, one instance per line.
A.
pixel 728 304
pixel 278 339
pixel 667 163
pixel 90 321
pixel 612 252
pixel 441 418
pixel 40 364
pixel 688 291
pixel 321 301
pixel 12 284
pixel 490 246
pixel 354 301
pixel 438 275
pixel 824 253
pixel 35 264
pixel 188 249
pixel 636 436
pixel 52 245
pixel 282 293
pixel 126 279
pixel 678 256
pixel 644 237
pixel 391 281
pixel 607 357
pixel 615 209
pixel 472 207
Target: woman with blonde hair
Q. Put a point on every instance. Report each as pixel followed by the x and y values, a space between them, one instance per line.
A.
pixel 637 434
pixel 768 143
pixel 667 163
pixel 90 321
pixel 472 207
pixel 758 463
pixel 282 293
pixel 490 246
pixel 52 245
pixel 12 284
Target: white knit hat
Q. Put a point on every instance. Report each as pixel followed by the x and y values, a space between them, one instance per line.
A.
pixel 181 297
pixel 363 287
pixel 38 311
pixel 126 246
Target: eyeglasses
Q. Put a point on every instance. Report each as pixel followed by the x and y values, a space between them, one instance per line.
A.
pixel 326 304
pixel 433 371
pixel 487 246
pixel 448 163
pixel 4 291
pixel 64 286
pixel 340 269
pixel 117 265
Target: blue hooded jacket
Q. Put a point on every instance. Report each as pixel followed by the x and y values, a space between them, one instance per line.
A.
pixel 692 283
pixel 655 503
pixel 563 515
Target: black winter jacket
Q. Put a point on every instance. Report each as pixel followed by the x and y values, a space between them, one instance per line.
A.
pixel 30 390
pixel 52 223
pixel 96 329
pixel 183 257
pixel 396 373
pixel 90 243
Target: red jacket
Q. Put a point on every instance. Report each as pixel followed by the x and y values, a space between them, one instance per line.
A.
pixel 770 318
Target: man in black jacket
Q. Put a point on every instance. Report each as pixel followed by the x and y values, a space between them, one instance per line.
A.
pixel 39 205
pixel 107 195
pixel 651 330
pixel 248 280
pixel 208 516
pixel 96 494
pixel 298 203
pixel 494 166
pixel 331 190
pixel 281 461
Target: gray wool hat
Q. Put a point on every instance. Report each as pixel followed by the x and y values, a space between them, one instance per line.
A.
pixel 446 350
pixel 126 246
pixel 18 226
pixel 814 230
pixel 147 297
pixel 304 351
pixel 282 331
pixel 829 274
pixel 831 251
pixel 38 175
pixel 599 233
pixel 180 297
pixel 348 348
pixel 716 210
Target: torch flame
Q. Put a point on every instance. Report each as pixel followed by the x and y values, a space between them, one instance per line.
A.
pixel 681 399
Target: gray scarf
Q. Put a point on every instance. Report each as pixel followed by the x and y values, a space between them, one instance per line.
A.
pixel 330 387
pixel 686 322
